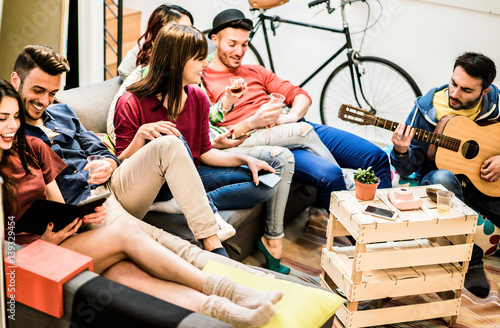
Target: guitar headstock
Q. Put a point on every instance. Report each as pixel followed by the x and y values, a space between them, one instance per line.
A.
pixel 356 115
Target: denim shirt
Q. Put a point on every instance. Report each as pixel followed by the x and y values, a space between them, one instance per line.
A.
pixel 73 144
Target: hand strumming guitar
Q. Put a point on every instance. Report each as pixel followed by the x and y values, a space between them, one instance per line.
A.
pixel 490 170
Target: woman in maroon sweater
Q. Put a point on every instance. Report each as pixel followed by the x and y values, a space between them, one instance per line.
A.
pixel 168 102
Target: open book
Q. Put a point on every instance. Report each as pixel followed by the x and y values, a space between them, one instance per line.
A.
pixel 43 211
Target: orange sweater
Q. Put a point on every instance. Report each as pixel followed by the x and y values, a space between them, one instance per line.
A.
pixel 260 83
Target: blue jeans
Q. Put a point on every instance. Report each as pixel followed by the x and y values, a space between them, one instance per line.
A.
pixel 349 150
pixel 487 206
pixel 232 187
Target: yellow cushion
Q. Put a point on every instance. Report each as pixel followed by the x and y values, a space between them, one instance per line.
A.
pixel 301 306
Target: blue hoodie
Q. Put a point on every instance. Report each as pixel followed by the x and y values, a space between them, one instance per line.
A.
pixel 423 116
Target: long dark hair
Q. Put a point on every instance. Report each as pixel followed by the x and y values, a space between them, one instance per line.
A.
pixel 160 17
pixel 20 145
pixel 174 46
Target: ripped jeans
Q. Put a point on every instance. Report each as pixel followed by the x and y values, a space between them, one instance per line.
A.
pixel 321 151
pixel 282 160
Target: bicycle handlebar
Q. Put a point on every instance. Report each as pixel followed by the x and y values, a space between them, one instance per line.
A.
pixel 316 2
pixel 342 3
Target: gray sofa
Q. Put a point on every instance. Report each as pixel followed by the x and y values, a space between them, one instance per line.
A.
pixel 94 301
pixel 91 103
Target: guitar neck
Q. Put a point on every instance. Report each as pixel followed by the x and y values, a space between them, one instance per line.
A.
pixel 422 135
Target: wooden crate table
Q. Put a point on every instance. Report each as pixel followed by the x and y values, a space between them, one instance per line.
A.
pixel 421 252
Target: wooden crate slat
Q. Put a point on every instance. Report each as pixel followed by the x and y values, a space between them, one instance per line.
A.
pixel 404 313
pixel 421 252
pixel 342 314
pixel 412 286
pixel 333 268
pixel 338 211
pixel 411 230
pixel 339 229
pixel 323 284
pixel 379 284
pixel 412 257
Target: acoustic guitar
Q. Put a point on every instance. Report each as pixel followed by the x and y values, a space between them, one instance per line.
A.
pixel 458 144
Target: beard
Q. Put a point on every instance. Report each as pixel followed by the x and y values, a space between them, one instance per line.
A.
pixel 29 115
pixel 227 61
pixel 462 105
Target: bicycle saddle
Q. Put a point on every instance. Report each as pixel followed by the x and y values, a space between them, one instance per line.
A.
pixel 266 4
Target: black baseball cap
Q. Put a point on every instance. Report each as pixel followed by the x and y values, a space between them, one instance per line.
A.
pixel 225 18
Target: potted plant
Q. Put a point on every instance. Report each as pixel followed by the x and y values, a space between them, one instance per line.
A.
pixel 366 183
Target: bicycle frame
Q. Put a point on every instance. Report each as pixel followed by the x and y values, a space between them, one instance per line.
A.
pixel 347 46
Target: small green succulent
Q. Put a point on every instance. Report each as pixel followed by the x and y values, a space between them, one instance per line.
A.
pixel 365 176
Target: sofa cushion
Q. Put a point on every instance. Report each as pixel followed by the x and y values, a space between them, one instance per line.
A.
pixel 91 102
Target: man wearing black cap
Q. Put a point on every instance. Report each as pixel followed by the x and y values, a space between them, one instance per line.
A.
pixel 316 164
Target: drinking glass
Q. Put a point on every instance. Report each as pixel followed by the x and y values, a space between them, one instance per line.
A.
pixel 236 85
pixel 276 98
pixel 94 161
pixel 444 201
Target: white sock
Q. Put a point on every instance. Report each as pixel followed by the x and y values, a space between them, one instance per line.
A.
pixel 226 230
pixel 169 206
pixel 239 294
pixel 224 310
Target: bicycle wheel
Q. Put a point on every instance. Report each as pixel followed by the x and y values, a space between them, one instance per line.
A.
pixel 389 90
pixel 252 56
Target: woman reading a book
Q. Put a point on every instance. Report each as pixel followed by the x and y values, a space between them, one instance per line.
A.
pixel 29 168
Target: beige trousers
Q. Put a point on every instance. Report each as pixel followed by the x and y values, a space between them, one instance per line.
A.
pixel 189 252
pixel 136 182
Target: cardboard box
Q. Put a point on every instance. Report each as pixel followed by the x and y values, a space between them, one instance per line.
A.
pixel 36 275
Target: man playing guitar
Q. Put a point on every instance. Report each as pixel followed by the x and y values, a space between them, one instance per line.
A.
pixel 471 94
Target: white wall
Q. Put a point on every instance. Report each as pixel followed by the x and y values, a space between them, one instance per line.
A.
pixel 90 43
pixel 421 36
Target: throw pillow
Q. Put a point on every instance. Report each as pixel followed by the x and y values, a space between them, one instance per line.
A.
pixel 301 306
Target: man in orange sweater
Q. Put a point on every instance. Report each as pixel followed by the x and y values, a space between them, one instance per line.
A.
pixel 317 165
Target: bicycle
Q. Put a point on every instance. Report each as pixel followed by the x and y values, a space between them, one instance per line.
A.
pixel 369 82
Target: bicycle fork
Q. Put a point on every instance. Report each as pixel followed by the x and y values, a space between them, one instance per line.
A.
pixel 356 75
pixel 354 66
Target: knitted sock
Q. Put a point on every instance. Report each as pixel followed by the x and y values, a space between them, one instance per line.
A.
pixel 241 295
pixel 224 310
pixel 475 279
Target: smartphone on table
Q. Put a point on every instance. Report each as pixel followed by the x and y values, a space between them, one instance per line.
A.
pixel 380 212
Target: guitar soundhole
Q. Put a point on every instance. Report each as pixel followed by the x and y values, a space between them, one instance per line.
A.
pixel 470 149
